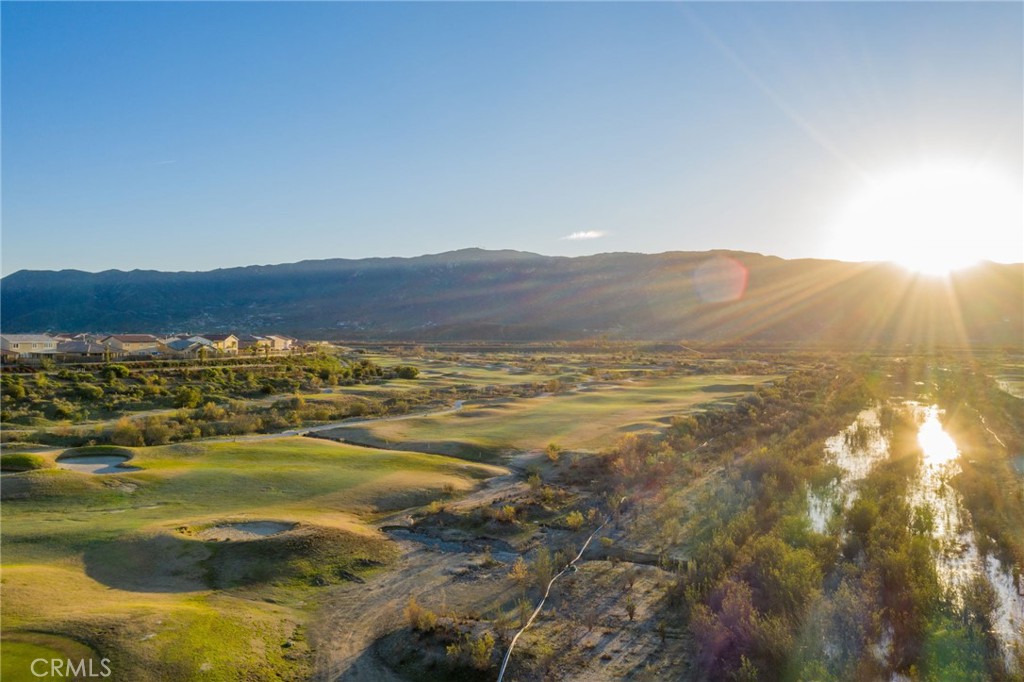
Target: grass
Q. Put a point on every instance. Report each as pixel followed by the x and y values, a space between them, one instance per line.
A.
pixel 114 561
pixel 587 419
pixel 23 461
pixel 19 650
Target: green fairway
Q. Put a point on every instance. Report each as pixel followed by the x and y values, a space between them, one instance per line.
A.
pixel 122 562
pixel 590 417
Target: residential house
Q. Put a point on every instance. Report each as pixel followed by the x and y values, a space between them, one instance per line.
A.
pixel 224 343
pixel 28 344
pixel 280 343
pixel 70 351
pixel 190 348
pixel 133 344
pixel 252 343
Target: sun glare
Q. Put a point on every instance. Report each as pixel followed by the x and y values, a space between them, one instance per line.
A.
pixel 932 219
pixel 937 445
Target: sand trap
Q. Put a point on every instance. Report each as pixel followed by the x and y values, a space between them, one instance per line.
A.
pixel 97 464
pixel 248 530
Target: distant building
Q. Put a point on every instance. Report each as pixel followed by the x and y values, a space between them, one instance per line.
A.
pixel 69 351
pixel 190 348
pixel 280 343
pixel 28 344
pixel 248 342
pixel 133 343
pixel 225 343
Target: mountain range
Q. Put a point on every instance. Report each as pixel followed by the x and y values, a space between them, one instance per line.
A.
pixel 473 294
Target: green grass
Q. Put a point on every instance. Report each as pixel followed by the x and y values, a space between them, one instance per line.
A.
pixel 115 561
pixel 23 461
pixel 20 649
pixel 589 419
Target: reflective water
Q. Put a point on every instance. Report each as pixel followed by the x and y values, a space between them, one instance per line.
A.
pixel 855 450
pixel 957 560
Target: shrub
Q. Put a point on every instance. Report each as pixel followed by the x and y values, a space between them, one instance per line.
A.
pixel 553 451
pixel 519 573
pixel 480 650
pixel 89 391
pixel 187 396
pixel 542 567
pixel 406 372
pixel 126 433
pixel 507 514
pixel 14 390
pixel 574 520
pixel 420 619
pixel 156 432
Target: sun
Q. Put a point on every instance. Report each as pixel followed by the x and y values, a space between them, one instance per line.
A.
pixel 932 219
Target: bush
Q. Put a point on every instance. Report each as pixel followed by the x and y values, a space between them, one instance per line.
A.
pixel 89 391
pixel 420 619
pixel 187 396
pixel 553 451
pixel 480 650
pixel 406 372
pixel 156 432
pixel 111 371
pixel 14 390
pixel 127 433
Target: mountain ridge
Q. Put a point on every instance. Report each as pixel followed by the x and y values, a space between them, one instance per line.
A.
pixel 473 294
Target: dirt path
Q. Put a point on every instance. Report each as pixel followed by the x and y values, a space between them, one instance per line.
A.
pixel 354 616
pixel 351 619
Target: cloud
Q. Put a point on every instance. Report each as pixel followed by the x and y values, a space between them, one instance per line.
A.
pixel 588 234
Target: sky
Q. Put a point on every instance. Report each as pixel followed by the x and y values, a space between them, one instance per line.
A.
pixel 192 136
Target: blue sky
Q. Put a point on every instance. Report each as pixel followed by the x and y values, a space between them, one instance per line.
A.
pixel 190 136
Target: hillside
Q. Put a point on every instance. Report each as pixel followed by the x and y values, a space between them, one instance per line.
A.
pixel 476 294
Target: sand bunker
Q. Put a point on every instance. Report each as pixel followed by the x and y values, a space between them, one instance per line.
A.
pixel 248 530
pixel 97 464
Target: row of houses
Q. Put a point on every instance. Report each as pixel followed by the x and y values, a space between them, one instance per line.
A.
pixel 76 347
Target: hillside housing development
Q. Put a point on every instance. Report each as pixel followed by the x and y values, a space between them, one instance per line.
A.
pixel 89 347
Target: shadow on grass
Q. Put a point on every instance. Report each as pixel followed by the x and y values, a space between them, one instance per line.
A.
pixel 169 562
